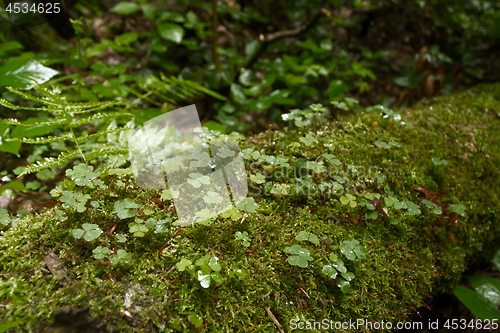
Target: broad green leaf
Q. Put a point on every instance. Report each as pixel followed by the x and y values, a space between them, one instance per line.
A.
pixel 456 208
pixel 204 278
pixel 171 31
pixel 213 263
pixel 183 264
pixel 25 74
pixel 476 303
pixel 344 285
pixel 329 271
pixel 487 287
pixel 125 8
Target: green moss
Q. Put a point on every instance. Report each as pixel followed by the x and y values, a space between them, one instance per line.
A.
pixel 421 255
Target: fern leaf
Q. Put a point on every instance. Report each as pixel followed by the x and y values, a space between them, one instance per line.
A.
pixel 11 106
pixel 84 138
pixel 82 121
pixel 57 121
pixel 50 162
pixel 43 140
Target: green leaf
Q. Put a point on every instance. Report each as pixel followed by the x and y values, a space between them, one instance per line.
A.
pixel 14 185
pixel 456 208
pixel 329 271
pixel 438 161
pixel 344 285
pixel 6 326
pixel 78 233
pixel 25 74
pixel 122 208
pixel 183 264
pixel 348 276
pixel 258 178
pixel 213 263
pixel 413 209
pixel 302 236
pixel 125 8
pixel 4 216
pixel 204 278
pixel 372 215
pixel 100 252
pixel 248 204
pixel 91 235
pixel 383 145
pixel 171 31
pixel 331 159
pixel 487 287
pixel 476 303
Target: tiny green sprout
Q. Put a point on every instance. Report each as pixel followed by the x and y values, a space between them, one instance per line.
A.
pixel 413 209
pixel 233 213
pixel 258 178
pixel 331 159
pixel 125 208
pixel 308 139
pixel 239 272
pixel 183 264
pixel 121 256
pixel 458 208
pixel 438 161
pixel 280 189
pixel 348 199
pixel 432 206
pixel 352 249
pixel 100 252
pixel 300 256
pixel 317 107
pixel 88 231
pixel 304 236
pixel 247 204
pixel 243 236
pixel 196 179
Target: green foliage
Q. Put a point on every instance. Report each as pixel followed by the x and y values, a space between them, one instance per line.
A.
pixel 306 236
pixel 89 232
pixel 337 266
pixel 125 208
pixel 352 249
pixel 299 256
pixel 243 237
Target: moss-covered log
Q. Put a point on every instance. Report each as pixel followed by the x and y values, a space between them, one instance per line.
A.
pixel 419 192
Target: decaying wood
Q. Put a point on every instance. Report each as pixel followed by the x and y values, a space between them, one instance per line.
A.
pixel 56 267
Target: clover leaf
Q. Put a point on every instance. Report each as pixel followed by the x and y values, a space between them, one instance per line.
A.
pixel 371 215
pixel 300 256
pixel 258 178
pixel 308 139
pixel 304 236
pixel 348 199
pixel 352 249
pixel 88 231
pixel 331 159
pixel 233 213
pixel 196 179
pixel 371 196
pixel 344 285
pixel 75 200
pixel 100 252
pixel 383 145
pixel 247 204
pixel 121 256
pixel 438 161
pixel 393 202
pixel 204 278
pixel 225 152
pixel 212 197
pixel 137 229
pixel 432 206
pixel 183 264
pixel 458 208
pixel 249 153
pixel 213 263
pixel 125 208
pixel 329 271
pixel 413 209
pixel 82 174
pixel 243 236
pixel 315 166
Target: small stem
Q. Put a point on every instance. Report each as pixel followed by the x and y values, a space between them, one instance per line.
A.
pixel 215 24
pixel 77 145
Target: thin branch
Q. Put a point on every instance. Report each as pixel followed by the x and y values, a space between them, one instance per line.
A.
pixel 268 39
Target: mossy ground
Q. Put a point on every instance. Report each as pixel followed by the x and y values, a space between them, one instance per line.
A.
pixel 406 263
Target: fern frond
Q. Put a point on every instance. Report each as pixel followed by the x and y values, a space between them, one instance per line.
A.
pixel 43 140
pixel 97 116
pixel 84 138
pixel 50 162
pixel 11 106
pixel 65 157
pixel 57 121
pixel 181 82
pixel 61 105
